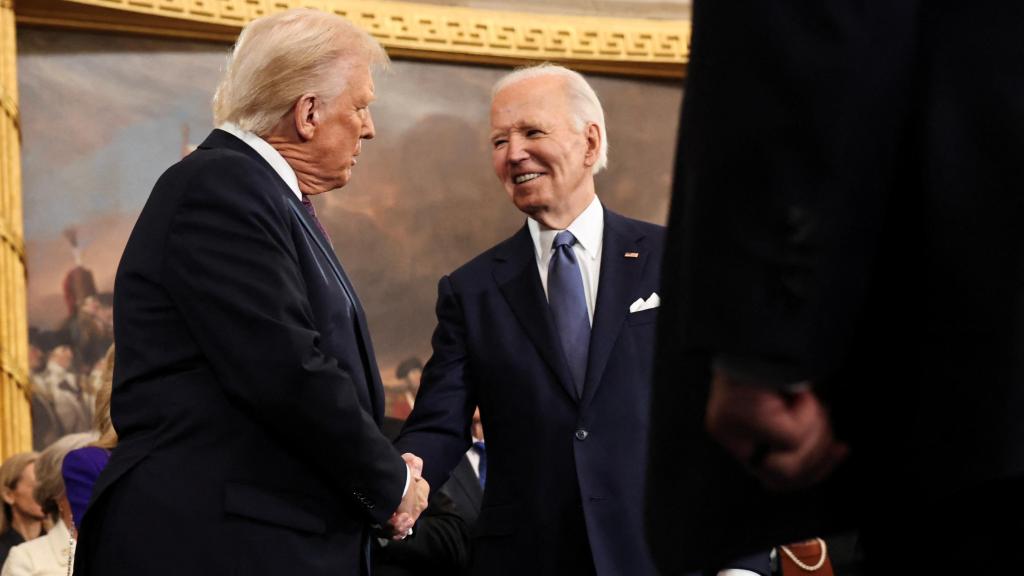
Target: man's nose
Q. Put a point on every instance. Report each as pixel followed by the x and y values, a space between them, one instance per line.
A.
pixel 368 130
pixel 517 151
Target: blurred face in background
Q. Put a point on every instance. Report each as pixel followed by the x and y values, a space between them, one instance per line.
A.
pixel 19 497
pixel 412 380
pixel 62 356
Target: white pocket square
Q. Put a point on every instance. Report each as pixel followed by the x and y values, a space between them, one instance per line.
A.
pixel 640 305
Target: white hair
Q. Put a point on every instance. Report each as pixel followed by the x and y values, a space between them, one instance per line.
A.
pixel 280 57
pixel 585 105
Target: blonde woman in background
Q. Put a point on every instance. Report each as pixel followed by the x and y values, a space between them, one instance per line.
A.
pixel 50 554
pixel 22 518
pixel 83 466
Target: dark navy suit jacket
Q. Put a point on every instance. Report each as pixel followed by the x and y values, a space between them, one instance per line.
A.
pixel 463 487
pixel 246 393
pixel 556 462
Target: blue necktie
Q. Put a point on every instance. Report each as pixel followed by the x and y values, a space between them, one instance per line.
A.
pixel 478 447
pixel 569 306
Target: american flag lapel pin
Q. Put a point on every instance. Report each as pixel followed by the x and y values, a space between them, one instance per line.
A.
pixel 632 254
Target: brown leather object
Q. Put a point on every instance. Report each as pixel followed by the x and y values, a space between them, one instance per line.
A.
pixel 811 558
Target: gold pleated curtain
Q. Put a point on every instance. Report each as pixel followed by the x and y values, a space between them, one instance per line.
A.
pixel 15 416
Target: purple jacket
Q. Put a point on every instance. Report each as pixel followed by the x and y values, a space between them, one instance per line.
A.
pixel 81 468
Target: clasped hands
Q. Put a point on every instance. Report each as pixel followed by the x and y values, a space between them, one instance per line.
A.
pixel 783 437
pixel 414 502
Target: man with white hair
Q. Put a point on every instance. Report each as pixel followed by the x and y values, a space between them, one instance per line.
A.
pixel 246 393
pixel 551 333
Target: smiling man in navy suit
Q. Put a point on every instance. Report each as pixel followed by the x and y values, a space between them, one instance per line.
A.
pixel 551 333
pixel 246 393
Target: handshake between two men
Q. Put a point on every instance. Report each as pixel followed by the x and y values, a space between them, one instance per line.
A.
pixel 413 503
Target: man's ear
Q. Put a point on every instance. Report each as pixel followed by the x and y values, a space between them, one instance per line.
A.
pixel 306 115
pixel 593 135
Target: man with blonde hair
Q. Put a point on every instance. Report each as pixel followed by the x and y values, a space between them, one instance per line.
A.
pixel 246 394
pixel 551 333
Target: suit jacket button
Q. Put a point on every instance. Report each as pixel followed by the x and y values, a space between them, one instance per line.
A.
pixel 582 434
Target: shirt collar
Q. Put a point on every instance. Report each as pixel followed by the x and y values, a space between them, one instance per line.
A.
pixel 588 228
pixel 268 153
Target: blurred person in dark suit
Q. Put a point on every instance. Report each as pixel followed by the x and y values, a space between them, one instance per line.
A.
pixel 246 393
pixel 439 544
pixel 841 344
pixel 465 486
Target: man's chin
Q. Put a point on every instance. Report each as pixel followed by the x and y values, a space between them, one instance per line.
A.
pixel 529 204
pixel 343 179
pixel 532 210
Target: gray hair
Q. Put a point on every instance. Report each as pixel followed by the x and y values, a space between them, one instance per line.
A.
pixel 49 480
pixel 280 57
pixel 10 475
pixel 585 104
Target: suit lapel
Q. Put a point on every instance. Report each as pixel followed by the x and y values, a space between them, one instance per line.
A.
pixel 617 288
pixel 222 139
pixel 469 483
pixel 363 332
pixel 515 271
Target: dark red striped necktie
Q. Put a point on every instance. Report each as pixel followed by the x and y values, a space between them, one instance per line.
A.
pixel 312 213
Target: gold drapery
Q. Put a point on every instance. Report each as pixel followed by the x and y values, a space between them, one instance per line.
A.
pixel 15 422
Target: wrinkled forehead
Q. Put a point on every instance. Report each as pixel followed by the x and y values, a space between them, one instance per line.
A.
pixel 528 103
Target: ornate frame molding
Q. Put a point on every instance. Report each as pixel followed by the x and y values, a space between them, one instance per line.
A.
pixel 634 47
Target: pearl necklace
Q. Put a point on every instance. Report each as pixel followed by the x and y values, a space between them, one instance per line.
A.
pixel 788 552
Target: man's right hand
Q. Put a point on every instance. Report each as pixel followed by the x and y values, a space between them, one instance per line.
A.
pixel 414 502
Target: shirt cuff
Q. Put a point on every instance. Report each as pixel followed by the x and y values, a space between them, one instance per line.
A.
pixel 408 479
pixel 737 572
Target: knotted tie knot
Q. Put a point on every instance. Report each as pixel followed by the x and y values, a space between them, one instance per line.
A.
pixel 563 238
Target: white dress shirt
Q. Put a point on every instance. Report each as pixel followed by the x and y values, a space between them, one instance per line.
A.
pixel 588 228
pixel 268 152
pixel 474 458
